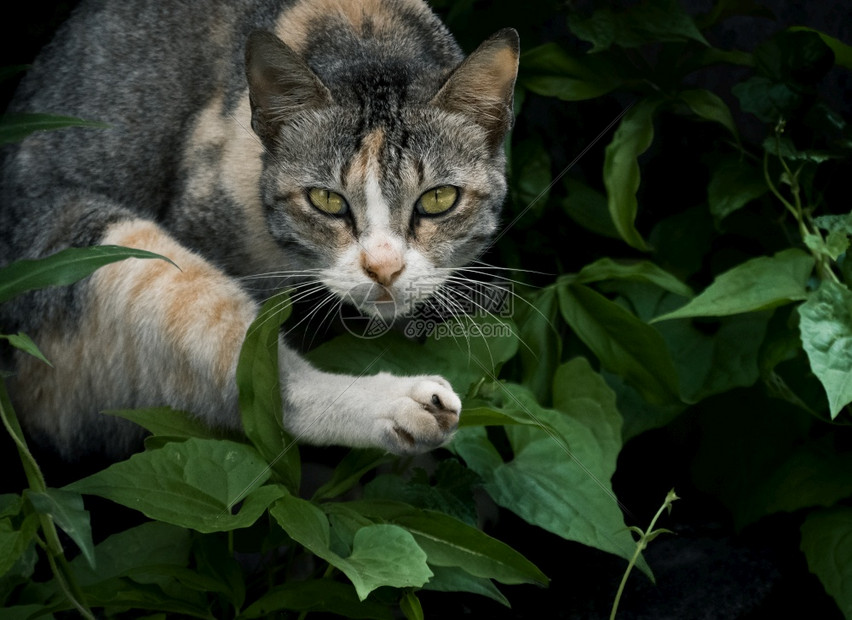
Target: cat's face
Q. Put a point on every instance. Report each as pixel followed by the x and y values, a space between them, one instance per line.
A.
pixel 384 205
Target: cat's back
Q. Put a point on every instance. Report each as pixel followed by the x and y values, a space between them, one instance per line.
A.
pixel 140 66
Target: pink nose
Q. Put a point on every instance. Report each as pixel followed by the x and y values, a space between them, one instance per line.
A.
pixel 382 264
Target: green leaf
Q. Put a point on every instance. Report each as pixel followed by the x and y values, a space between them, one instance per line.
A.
pixel 551 71
pixel 350 470
pixel 462 350
pixel 715 356
pixel 588 207
pixel 65 267
pixel 559 479
pixel 770 462
pixel 842 51
pixel 168 422
pixel 382 555
pixel 151 544
pixel 757 284
pixel 323 595
pixel 531 176
pixel 767 100
pixel 194 484
pixel 794 57
pixel 621 168
pixel 14 127
pixel 827 544
pixel 24 343
pixel 450 542
pixel 411 607
pixel 839 229
pixel 14 541
pixel 647 22
pixel 710 107
pixel 66 509
pixel 625 345
pixel 450 490
pixel 260 393
pixel 454 579
pixel 734 184
pixel 826 330
pixel 638 271
pixel 542 344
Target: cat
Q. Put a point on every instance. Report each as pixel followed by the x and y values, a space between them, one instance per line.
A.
pixel 338 143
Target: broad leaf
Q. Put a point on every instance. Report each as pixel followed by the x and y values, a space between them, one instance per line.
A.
pixel 381 554
pixel 454 579
pixel 588 207
pixel 559 479
pixel 66 509
pixel 450 542
pixel 757 284
pixel 713 356
pixel 646 22
pixel 149 544
pixel 842 51
pixel 639 271
pixel 462 350
pixel 349 471
pixel 195 484
pixel 710 107
pixel 551 71
pixel 733 185
pixel 260 393
pixel 168 422
pixel 542 344
pixel 14 541
pixel 827 544
pixel 530 165
pixel 17 126
pixel 826 329
pixel 322 595
pixel 621 168
pixel 625 345
pixel 65 267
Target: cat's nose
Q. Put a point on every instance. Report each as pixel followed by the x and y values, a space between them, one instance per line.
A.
pixel 382 264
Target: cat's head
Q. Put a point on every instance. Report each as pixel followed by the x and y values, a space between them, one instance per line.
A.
pixel 383 180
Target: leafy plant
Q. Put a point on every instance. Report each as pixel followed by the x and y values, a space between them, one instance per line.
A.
pixel 607 340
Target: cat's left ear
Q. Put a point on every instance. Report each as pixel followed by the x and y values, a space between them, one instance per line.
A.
pixel 281 84
pixel 482 86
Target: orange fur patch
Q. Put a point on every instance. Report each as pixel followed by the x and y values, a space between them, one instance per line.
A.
pixel 294 25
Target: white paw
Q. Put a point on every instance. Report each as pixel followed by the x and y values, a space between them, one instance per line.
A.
pixel 424 416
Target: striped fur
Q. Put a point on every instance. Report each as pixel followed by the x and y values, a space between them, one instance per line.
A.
pixel 222 115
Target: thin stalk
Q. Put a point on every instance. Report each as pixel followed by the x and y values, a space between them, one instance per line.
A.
pixel 51 544
pixel 644 539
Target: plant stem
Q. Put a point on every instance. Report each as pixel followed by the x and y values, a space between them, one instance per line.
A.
pixel 641 544
pixel 35 479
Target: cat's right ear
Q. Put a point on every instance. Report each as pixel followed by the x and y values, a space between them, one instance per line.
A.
pixel 281 84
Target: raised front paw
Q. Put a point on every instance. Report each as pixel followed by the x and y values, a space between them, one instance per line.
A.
pixel 424 417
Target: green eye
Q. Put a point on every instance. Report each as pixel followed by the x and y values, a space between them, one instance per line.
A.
pixel 438 200
pixel 328 202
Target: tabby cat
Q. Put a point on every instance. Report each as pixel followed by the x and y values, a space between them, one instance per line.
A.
pixel 338 143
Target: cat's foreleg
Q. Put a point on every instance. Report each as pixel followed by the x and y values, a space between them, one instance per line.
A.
pixel 153 334
pixel 404 415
